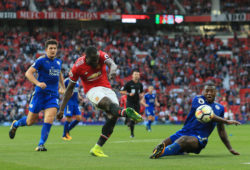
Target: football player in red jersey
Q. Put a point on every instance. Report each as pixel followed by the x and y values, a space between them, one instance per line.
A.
pixel 91 68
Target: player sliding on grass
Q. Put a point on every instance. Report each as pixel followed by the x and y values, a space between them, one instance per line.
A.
pixel 45 96
pixel 91 68
pixel 193 137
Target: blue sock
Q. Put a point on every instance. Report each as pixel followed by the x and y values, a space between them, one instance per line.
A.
pixel 149 124
pixel 73 124
pixel 172 149
pixel 20 122
pixel 66 128
pixel 44 133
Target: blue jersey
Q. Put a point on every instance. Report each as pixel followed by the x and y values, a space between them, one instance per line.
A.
pixel 150 100
pixel 193 126
pixel 48 72
pixel 74 99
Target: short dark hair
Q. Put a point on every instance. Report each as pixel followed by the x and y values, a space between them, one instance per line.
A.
pixel 135 70
pixel 51 41
pixel 90 50
pixel 209 83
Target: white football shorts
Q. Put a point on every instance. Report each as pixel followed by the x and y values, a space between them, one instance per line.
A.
pixel 96 94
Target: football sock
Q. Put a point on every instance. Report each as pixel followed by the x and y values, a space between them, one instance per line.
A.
pixel 172 149
pixel 116 110
pixel 20 122
pixel 132 127
pixel 44 133
pixel 66 128
pixel 149 124
pixel 73 124
pixel 102 140
pixel 107 130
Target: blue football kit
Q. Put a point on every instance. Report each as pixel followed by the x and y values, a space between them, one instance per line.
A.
pixel 72 105
pixel 150 101
pixel 48 72
pixel 192 127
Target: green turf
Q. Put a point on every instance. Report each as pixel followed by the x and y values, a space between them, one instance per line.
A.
pixel 124 153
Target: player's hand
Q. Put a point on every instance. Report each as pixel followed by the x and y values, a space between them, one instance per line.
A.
pixel 131 94
pixel 112 75
pixel 41 85
pixel 61 90
pixel 234 152
pixel 59 115
pixel 233 122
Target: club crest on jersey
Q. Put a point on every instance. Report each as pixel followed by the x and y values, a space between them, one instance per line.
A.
pixel 58 62
pixel 31 105
pixel 97 99
pixel 217 107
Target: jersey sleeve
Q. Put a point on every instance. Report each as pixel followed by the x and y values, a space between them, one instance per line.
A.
pixel 66 82
pixel 37 64
pixel 195 103
pixel 222 112
pixel 141 88
pixel 74 74
pixel 125 88
pixel 103 57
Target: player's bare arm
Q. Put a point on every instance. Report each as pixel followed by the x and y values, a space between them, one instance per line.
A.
pixel 113 67
pixel 143 102
pixel 156 102
pixel 67 95
pixel 223 136
pixel 30 76
pixel 61 84
pixel 225 121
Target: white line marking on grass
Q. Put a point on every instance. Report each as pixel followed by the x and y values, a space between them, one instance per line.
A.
pixel 135 141
pixel 247 163
pixel 79 143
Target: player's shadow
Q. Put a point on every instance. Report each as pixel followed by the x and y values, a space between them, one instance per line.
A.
pixel 191 156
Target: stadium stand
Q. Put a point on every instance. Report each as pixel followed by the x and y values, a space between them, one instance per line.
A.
pixel 190 61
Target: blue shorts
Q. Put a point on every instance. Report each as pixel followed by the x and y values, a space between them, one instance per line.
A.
pixel 71 110
pixel 42 101
pixel 150 112
pixel 202 141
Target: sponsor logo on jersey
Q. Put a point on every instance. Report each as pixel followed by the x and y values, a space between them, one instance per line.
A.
pixel 94 76
pixel 54 72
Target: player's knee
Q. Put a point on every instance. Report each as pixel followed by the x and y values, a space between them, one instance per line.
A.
pixel 183 140
pixel 30 122
pixel 114 108
pixel 68 118
pixel 78 118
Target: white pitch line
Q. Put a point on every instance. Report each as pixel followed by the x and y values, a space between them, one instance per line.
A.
pixel 137 141
pixel 246 163
pixel 78 143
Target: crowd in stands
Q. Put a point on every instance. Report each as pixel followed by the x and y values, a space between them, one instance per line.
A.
pixel 176 67
pixel 235 6
pixel 191 7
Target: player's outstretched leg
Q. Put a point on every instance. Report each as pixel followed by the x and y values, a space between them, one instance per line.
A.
pixel 15 124
pixel 131 113
pixel 161 150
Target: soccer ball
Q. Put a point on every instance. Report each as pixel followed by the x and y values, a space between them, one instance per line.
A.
pixel 204 113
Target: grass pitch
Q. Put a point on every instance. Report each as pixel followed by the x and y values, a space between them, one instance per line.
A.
pixel 124 152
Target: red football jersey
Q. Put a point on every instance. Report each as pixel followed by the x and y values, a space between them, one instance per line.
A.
pixel 91 77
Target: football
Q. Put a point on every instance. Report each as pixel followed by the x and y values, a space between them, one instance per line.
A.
pixel 204 113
